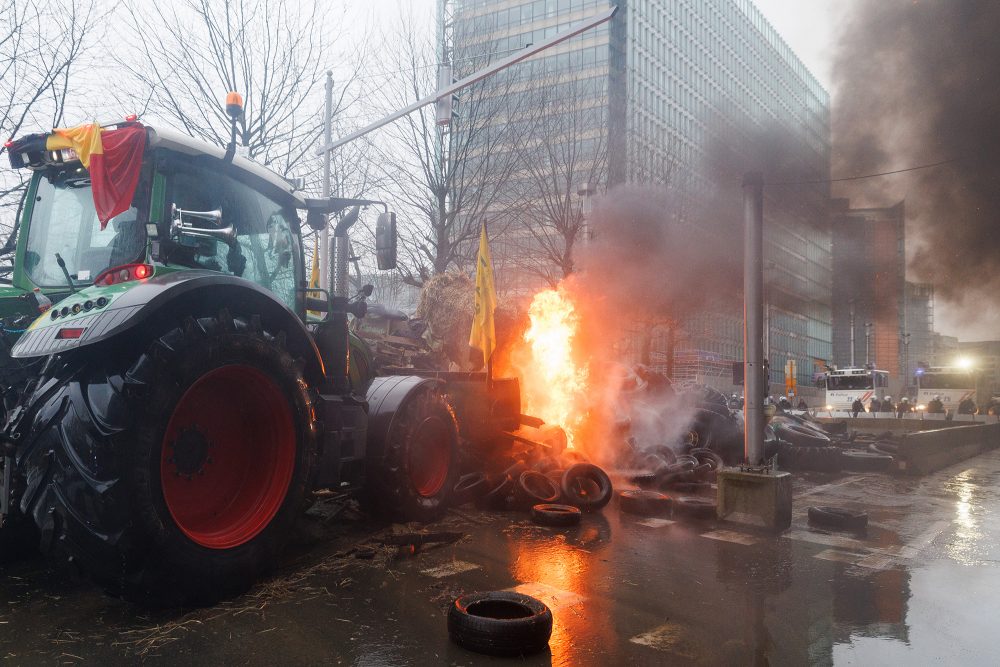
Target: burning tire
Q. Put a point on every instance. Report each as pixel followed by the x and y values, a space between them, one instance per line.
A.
pixel 415 477
pixel 550 514
pixel 586 486
pixel 175 476
pixel 500 623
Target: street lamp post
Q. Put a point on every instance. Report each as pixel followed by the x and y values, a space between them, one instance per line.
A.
pixel 868 346
pixel 906 364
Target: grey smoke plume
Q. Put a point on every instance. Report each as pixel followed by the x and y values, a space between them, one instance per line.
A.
pixel 919 82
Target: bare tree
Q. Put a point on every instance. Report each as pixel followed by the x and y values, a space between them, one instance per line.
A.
pixel 273 52
pixel 449 179
pixel 568 150
pixel 41 43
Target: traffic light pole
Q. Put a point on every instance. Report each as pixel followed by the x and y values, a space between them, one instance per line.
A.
pixel 475 77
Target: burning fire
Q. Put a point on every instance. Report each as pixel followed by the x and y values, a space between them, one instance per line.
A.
pixel 553 380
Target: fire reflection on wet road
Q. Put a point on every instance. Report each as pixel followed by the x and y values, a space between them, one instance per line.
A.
pixel 917 588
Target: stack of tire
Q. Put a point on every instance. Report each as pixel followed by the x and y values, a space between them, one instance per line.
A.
pixel 693 472
pixel 555 490
pixel 801 445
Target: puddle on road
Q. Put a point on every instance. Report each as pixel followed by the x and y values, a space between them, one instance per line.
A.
pixel 917 587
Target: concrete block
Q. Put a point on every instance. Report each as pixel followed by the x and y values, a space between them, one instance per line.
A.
pixel 755 499
pixel 924 452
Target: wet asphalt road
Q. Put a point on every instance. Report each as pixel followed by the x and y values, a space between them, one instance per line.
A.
pixel 920 588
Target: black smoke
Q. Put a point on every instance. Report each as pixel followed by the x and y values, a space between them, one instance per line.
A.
pixel 917 82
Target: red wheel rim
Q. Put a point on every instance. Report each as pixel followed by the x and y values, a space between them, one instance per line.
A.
pixel 227 456
pixel 429 458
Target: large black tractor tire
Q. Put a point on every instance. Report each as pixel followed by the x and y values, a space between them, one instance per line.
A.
pixel 416 477
pixel 173 476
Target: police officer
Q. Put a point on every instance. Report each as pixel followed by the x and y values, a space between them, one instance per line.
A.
pixel 935 406
pixel 857 406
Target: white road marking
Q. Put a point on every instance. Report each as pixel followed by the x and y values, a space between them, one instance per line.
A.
pixel 449 569
pixel 656 523
pixel 876 562
pixel 832 485
pixel 827 540
pixel 839 556
pixel 731 536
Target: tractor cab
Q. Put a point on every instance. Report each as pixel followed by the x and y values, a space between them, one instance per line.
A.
pixel 190 209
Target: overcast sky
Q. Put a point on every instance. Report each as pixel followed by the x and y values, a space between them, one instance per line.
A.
pixel 808 27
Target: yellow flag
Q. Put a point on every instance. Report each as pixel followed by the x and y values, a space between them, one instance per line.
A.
pixel 314 274
pixel 484 335
pixel 84 139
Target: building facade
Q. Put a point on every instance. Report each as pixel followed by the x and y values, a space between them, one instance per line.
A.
pixel 687 94
pixel 869 276
pixel 918 328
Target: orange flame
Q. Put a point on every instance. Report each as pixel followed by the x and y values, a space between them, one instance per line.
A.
pixel 553 381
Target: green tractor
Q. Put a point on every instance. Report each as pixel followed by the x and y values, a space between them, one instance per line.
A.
pixel 169 404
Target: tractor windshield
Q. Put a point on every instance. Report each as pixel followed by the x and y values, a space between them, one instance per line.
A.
pixel 63 220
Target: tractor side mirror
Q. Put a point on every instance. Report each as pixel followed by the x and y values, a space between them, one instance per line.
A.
pixel 385 241
pixel 316 220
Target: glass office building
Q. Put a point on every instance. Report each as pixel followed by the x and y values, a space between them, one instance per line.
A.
pixel 682 87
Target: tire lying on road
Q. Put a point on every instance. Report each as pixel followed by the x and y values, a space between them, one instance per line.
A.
pixel 501 623
pixel 694 507
pixel 586 486
pixel 644 503
pixel 173 474
pixel 551 514
pixel 837 518
pixel 865 461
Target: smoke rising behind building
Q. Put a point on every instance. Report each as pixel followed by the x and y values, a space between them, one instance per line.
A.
pixel 917 83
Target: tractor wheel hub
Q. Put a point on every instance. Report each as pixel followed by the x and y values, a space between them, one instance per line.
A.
pixel 190 451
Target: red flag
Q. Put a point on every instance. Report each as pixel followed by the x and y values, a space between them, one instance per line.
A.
pixel 113 158
pixel 114 175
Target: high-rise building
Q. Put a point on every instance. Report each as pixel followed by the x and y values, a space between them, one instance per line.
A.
pixel 918 328
pixel 869 275
pixel 672 89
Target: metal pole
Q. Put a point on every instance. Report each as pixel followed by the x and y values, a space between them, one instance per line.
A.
pixel 324 236
pixel 753 323
pixel 522 54
pixel 852 333
pixel 868 347
pixel 906 364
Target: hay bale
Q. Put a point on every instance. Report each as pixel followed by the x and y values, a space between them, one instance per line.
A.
pixel 447 303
